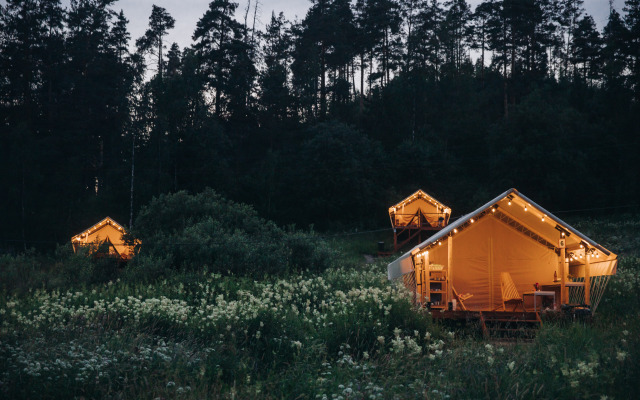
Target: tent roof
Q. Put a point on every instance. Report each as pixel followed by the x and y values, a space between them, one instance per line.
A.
pixel 523 210
pixel 419 194
pixel 104 222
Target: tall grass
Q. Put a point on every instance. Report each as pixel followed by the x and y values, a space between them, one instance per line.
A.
pixel 340 333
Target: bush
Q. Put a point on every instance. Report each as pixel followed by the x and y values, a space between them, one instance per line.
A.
pixel 188 232
pixel 22 272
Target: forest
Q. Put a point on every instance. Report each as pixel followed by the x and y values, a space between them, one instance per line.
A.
pixel 323 121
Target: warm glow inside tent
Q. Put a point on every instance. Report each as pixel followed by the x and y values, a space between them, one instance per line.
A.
pixel 510 234
pixel 419 209
pixel 107 232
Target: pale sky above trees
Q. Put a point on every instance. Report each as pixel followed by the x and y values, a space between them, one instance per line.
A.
pixel 188 12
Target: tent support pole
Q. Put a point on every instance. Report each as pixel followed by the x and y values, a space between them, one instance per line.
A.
pixel 427 278
pixel 563 275
pixel 449 267
pixel 587 278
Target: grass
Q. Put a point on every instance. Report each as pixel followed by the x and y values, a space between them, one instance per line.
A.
pixel 344 333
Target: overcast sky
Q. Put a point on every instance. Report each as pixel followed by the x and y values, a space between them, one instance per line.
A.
pixel 188 12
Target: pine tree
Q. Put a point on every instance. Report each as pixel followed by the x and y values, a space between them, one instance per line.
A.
pixel 426 38
pixel 614 50
pixel 456 32
pixel 586 50
pixel 120 36
pixel 275 98
pixel 31 56
pixel 218 39
pixel 159 24
pixel 632 22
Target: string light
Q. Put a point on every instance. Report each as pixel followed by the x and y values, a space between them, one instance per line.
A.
pixel 472 220
pixel 525 208
pixel 543 218
pixel 455 231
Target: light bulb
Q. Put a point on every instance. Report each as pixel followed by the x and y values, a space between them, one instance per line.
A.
pixel 566 260
pixel 472 220
pixel 493 210
pixel 439 243
pixel 525 208
pixel 509 202
pixel 543 218
pixel 455 231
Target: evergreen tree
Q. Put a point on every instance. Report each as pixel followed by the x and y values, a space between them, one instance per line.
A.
pixel 586 45
pixel 426 38
pixel 31 57
pixel 159 24
pixel 276 102
pixel 632 21
pixel 219 42
pixel 456 33
pixel 120 36
pixel 614 50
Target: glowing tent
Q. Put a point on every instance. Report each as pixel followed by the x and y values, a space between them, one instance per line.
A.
pixel 415 214
pixel 106 232
pixel 513 239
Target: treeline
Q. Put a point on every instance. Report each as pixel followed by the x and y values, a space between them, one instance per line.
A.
pixel 325 121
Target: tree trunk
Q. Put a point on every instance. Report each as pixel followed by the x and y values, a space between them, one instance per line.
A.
pixel 133 165
pixel 323 94
pixel 361 82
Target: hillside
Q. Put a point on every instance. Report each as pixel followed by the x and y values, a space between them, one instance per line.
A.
pixel 344 332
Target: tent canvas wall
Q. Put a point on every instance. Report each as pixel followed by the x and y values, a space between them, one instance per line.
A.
pixel 511 234
pixel 106 231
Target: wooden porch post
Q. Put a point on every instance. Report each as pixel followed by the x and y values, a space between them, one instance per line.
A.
pixel 427 278
pixel 587 278
pixel 395 239
pixel 563 275
pixel 450 268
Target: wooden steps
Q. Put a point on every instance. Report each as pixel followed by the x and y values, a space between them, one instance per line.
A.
pixel 512 326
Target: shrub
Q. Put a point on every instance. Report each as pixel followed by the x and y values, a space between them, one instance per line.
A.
pixel 187 232
pixel 20 272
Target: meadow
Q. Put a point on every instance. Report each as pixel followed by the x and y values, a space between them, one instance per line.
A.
pixel 341 333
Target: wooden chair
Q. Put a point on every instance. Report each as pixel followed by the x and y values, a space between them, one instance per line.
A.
pixel 460 298
pixel 510 293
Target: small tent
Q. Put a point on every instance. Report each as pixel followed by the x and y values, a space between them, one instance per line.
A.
pixel 415 214
pixel 509 236
pixel 106 232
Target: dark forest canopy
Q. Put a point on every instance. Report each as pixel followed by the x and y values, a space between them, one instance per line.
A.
pixel 323 121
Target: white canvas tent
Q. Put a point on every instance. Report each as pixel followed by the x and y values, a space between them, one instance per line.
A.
pixel 107 232
pixel 513 234
pixel 418 208
pixel 414 215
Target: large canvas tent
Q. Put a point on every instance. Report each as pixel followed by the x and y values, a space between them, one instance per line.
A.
pixel 510 234
pixel 106 232
pixel 415 214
